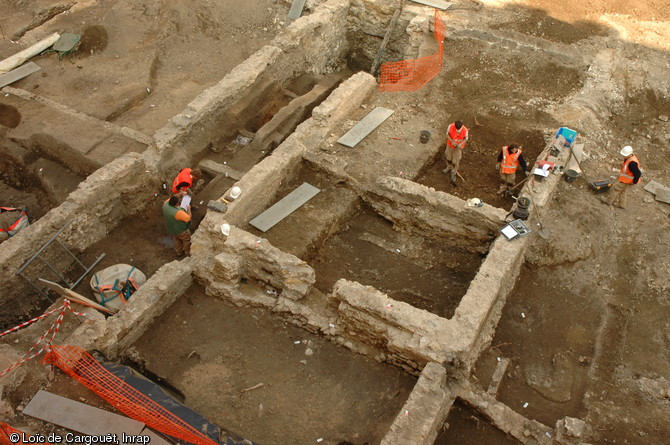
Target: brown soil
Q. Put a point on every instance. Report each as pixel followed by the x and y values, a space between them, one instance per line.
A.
pixel 311 388
pixel 594 339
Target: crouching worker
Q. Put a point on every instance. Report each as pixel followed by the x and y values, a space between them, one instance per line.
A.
pixel 183 183
pixel 178 220
pixel 509 159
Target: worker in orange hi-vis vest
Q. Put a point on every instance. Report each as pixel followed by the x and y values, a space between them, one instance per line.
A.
pixel 509 159
pixel 630 174
pixel 183 183
pixel 457 135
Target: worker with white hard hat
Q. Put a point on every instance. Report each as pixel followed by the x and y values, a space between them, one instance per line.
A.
pixel 630 174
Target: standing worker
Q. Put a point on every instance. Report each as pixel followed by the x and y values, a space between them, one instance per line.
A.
pixel 184 181
pixel 629 175
pixel 457 135
pixel 509 159
pixel 178 220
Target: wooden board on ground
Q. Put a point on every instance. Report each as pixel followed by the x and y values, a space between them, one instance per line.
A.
pixel 287 205
pixel 439 4
pixel 373 120
pixel 80 417
pixel 72 295
pixel 296 9
pixel 18 73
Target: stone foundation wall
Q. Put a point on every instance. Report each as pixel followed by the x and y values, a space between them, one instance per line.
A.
pixel 315 43
pixel 420 209
pixel 117 332
pixel 422 416
pixel 111 193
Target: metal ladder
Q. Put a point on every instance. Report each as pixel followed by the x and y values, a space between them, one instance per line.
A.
pixel 54 269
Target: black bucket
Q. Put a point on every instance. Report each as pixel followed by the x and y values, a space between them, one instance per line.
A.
pixel 424 137
pixel 570 175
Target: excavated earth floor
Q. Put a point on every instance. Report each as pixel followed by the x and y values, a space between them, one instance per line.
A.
pixel 586 325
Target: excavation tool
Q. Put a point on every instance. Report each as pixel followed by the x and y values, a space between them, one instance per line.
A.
pixel 521 213
pixel 543 232
pixel 509 191
pixel 600 186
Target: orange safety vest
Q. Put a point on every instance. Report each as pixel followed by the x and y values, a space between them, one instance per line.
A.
pixel 510 161
pixel 457 136
pixel 183 176
pixel 626 176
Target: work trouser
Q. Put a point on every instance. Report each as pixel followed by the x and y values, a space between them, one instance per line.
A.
pixel 507 181
pixel 182 243
pixel 619 194
pixel 453 156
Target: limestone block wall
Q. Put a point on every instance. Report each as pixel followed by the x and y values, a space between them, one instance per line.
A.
pixel 314 43
pixel 264 179
pixel 367 25
pixel 434 214
pixel 111 193
pixel 244 256
pixel 114 334
pixel 420 419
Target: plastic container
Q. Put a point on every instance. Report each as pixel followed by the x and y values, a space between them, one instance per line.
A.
pixel 567 134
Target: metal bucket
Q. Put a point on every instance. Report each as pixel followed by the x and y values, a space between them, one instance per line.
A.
pixel 570 175
pixel 424 136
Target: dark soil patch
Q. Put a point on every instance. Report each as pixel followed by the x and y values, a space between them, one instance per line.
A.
pixel 94 39
pixel 536 22
pixel 467 427
pixel 428 274
pixel 217 350
pixel 10 117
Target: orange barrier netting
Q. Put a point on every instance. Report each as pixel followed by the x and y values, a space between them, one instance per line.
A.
pixel 412 74
pixel 5 434
pixel 79 364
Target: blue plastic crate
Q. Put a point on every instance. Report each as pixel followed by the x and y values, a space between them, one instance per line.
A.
pixel 568 134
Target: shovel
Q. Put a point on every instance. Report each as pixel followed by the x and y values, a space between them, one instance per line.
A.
pixel 543 232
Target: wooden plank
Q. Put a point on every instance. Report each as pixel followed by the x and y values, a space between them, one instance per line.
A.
pixel 18 73
pixel 439 4
pixel 359 131
pixel 72 295
pixel 296 9
pixel 80 417
pixel 387 36
pixel 287 205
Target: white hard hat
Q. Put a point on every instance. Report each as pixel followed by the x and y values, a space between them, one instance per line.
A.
pixel 235 192
pixel 225 229
pixel 626 151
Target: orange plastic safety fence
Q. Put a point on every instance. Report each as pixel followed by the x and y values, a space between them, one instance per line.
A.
pixel 412 74
pixel 79 364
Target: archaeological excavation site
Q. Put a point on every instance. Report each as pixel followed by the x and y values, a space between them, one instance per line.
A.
pixel 343 286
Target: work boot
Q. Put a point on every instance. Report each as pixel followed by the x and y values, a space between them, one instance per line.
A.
pixel 453 179
pixel 446 170
pixel 501 190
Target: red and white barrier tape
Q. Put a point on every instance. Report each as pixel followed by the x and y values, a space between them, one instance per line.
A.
pixel 52 329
